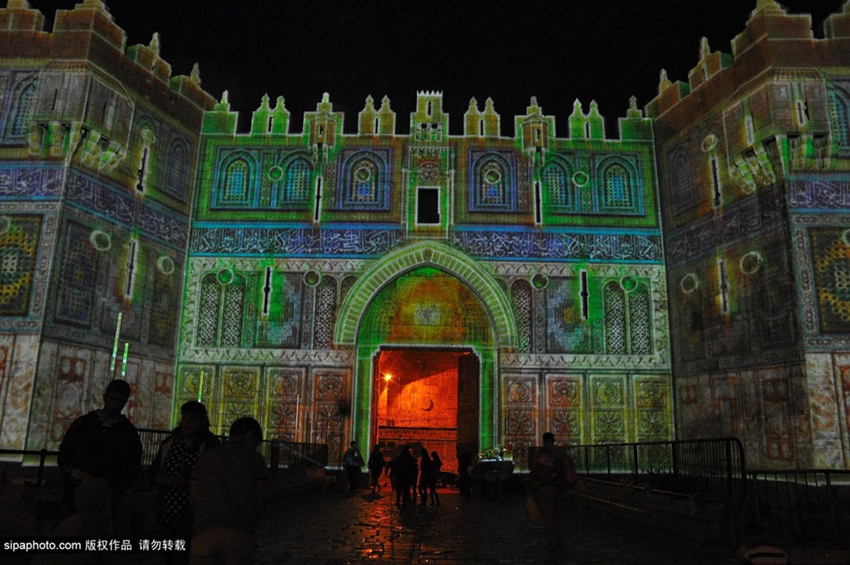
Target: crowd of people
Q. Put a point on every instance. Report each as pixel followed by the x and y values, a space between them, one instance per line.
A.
pixel 210 494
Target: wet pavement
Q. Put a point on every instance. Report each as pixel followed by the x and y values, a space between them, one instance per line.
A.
pixel 334 528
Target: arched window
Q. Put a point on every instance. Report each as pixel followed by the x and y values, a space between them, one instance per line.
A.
pixel 177 171
pixel 22 101
pixel 618 191
pixel 296 183
pixel 363 182
pixel 235 184
pixel 556 179
pixel 628 318
pixel 236 181
pixel 491 184
pixel 682 176
pixel 492 187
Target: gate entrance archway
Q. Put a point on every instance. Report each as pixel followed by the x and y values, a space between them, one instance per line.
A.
pixel 426 397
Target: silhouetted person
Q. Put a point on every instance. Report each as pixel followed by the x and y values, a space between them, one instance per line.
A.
pixel 171 470
pixel 436 468
pixel 226 497
pixel 551 473
pixel 102 443
pixel 400 475
pixel 353 461
pixel 425 468
pixel 376 465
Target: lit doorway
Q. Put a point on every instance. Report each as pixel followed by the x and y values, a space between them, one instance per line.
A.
pixel 426 397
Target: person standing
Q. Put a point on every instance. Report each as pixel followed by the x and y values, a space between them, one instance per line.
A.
pixel 436 469
pixel 376 465
pixel 353 461
pixel 226 497
pixel 425 468
pixel 400 475
pixel 552 472
pixel 170 471
pixel 102 443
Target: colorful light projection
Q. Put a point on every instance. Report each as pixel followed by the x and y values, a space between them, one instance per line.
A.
pixel 404 334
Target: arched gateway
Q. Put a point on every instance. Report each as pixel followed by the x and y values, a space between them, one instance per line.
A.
pixel 427 323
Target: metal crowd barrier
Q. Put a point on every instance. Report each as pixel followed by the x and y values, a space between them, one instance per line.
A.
pixel 712 469
pixel 278 454
pixel 805 504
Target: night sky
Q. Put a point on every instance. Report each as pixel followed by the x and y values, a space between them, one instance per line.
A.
pixel 607 50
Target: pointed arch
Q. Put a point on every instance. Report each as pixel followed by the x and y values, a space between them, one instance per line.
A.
pixel 434 254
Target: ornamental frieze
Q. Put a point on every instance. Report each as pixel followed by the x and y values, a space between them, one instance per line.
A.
pixel 156 221
pixel 31 182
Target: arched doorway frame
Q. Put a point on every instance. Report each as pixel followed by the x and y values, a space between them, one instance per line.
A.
pixel 492 298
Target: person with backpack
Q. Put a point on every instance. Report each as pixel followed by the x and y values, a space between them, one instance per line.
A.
pixel 552 473
pixel 353 461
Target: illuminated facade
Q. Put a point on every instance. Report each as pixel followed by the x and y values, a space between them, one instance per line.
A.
pixel 753 160
pixel 97 160
pixel 462 291
pixel 525 274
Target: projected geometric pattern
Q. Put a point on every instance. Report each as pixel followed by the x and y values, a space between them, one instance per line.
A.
pixel 831 261
pixel 19 239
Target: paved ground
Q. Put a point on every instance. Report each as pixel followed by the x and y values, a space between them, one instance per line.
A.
pixel 334 528
pixel 337 529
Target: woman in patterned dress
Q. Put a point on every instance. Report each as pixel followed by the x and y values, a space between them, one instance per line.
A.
pixel 170 471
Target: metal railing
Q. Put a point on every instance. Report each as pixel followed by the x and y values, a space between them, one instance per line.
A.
pixel 805 504
pixel 712 469
pixel 294 456
pixel 278 454
pixel 43 464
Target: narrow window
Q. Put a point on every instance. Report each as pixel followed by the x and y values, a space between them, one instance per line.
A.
pixel 585 309
pixel 143 166
pixel 724 287
pixel 130 279
pixel 429 109
pixel 715 181
pixel 802 116
pixel 428 206
pixel 269 124
pixel 267 291
pixel 751 133
pixel 480 128
pixel 538 202
pixel 587 130
pixel 377 126
pixel 318 209
pixel 537 135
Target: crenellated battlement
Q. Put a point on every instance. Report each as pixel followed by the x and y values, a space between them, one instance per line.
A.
pixel 428 123
pixel 88 32
pixel 772 38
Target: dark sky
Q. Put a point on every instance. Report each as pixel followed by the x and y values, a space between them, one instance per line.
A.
pixel 605 50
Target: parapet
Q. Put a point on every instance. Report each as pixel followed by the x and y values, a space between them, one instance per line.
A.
pixel 89 33
pixel 429 123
